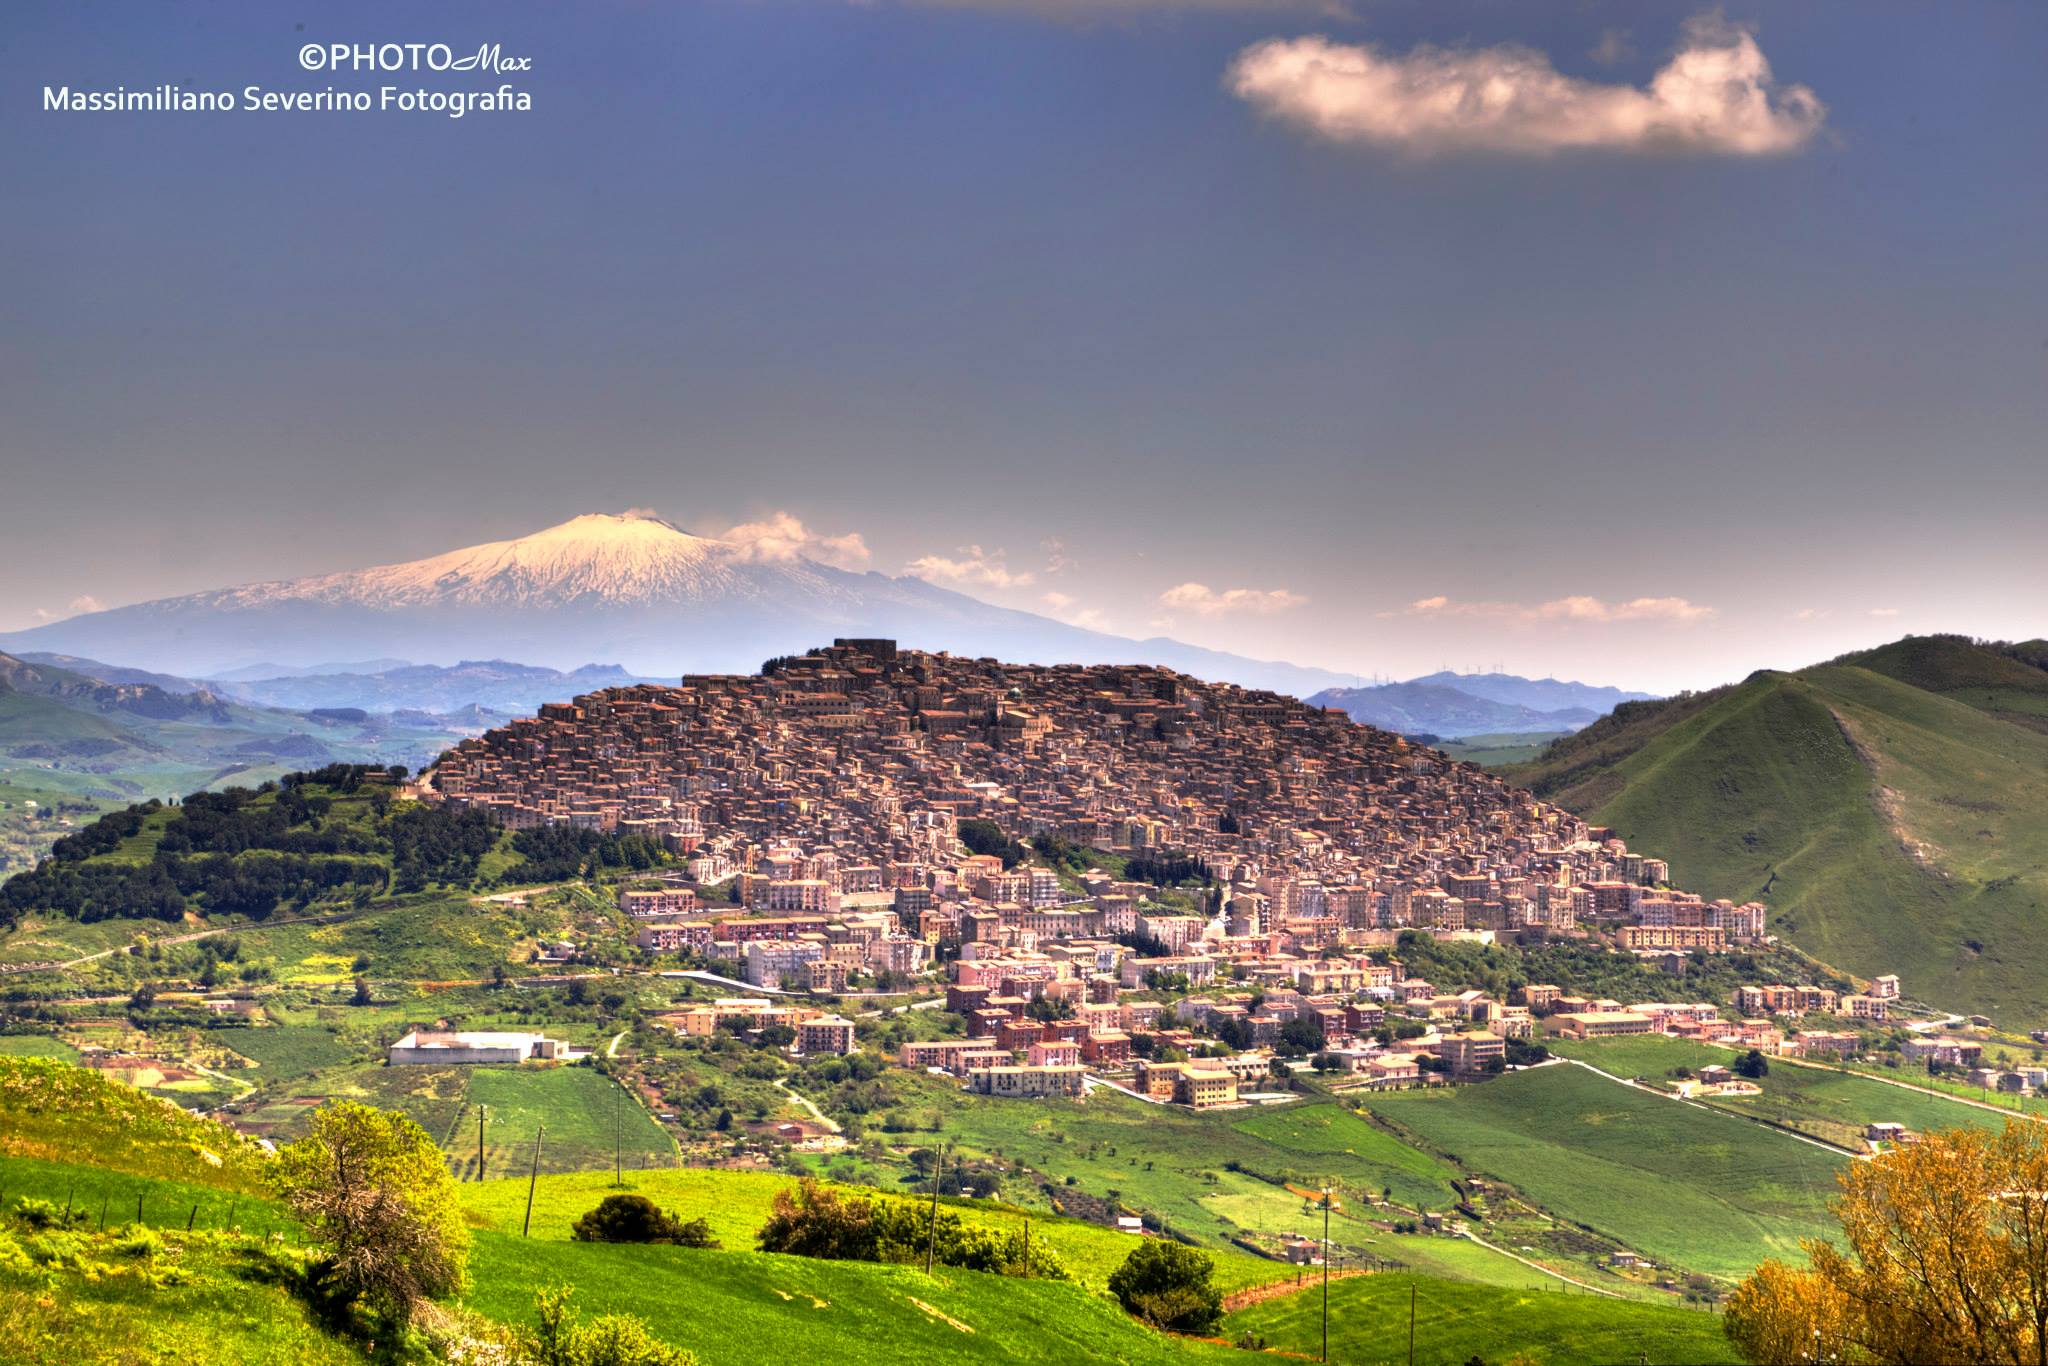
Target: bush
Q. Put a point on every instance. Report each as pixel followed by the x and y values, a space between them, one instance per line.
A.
pixel 38 1215
pixel 816 1221
pixel 373 1188
pixel 563 1338
pixel 636 1219
pixel 1170 1286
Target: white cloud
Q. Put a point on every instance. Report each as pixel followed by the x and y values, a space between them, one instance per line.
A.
pixel 1206 601
pixel 1810 614
pixel 78 606
pixel 975 568
pixel 1884 611
pixel 1578 608
pixel 1715 96
pixel 781 537
pixel 1059 601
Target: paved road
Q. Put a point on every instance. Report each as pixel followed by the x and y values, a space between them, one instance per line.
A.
pixel 1538 1266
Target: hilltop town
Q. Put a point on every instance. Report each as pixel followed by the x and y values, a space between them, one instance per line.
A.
pixel 1101 861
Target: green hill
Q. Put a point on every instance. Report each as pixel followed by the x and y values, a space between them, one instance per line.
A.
pixel 1891 807
pixel 1458 1323
pixel 1692 1188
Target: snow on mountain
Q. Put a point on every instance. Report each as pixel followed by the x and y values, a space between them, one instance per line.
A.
pixel 625 587
pixel 613 558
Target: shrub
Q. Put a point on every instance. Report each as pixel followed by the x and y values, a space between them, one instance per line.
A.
pixel 563 1338
pixel 373 1188
pixel 36 1214
pixel 816 1221
pixel 1169 1286
pixel 636 1219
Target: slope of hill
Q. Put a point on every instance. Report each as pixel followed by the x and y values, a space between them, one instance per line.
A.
pixel 627 587
pixel 1891 807
pixel 1694 1189
pixel 1455 1324
pixel 2006 681
pixel 1436 709
pixel 82 734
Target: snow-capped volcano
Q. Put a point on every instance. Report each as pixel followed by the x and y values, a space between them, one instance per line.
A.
pixel 620 559
pixel 625 588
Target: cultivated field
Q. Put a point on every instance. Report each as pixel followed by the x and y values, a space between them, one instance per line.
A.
pixel 1691 1188
pixel 1459 1323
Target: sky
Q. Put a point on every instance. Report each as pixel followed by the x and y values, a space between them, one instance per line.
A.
pixel 1644 344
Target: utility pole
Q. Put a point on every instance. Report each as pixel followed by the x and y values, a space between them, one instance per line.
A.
pixel 1411 1323
pixel 1027 1245
pixel 1326 1274
pixel 619 1137
pixel 480 1142
pixel 931 1246
pixel 532 1179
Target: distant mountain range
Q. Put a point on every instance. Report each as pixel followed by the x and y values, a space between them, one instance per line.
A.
pixel 151 734
pixel 495 685
pixel 1891 806
pixel 627 587
pixel 1452 705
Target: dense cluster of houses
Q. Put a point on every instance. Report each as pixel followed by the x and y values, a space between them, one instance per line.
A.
pixel 826 799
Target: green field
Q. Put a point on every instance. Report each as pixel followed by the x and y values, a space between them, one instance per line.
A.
pixel 1458 1323
pixel 1496 751
pixel 590 1121
pixel 1889 807
pixel 756 1309
pixel 36 1046
pixel 1691 1188
pixel 736 1203
pixel 1177 1167
pixel 1827 1102
pixel 285 1052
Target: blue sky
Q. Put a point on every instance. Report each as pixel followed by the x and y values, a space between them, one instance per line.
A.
pixel 1029 297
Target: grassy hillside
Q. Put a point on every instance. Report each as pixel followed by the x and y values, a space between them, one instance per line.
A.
pixel 1689 1187
pixel 1208 1177
pixel 1891 826
pixel 1830 1103
pixel 1457 1323
pixel 51 1110
pixel 736 1203
pixel 113 1296
pixel 756 1309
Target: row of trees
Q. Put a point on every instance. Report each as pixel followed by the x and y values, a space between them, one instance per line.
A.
pixel 817 1221
pixel 247 851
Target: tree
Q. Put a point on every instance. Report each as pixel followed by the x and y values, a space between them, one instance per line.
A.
pixel 374 1190
pixel 1945 1258
pixel 636 1219
pixel 362 995
pixel 1752 1065
pixel 1170 1286
pixel 1300 1036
